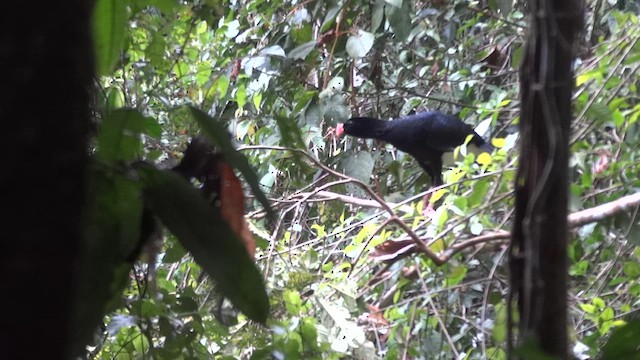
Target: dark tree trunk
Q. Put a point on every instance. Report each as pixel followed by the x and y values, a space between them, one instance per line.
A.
pixel 46 54
pixel 539 246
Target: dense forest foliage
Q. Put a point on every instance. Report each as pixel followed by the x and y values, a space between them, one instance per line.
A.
pixel 333 222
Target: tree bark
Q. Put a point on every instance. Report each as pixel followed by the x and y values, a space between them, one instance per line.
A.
pixel 538 256
pixel 46 52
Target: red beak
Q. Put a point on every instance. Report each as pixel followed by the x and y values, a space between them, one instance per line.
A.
pixel 339 129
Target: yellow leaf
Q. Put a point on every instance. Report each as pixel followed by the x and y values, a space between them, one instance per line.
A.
pixel 437 246
pixel 438 195
pixel 484 159
pixel 455 175
pixel 499 142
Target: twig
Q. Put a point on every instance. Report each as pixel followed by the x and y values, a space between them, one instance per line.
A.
pixel 421 245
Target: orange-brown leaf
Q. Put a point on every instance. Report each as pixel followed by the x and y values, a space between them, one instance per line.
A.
pixel 232 206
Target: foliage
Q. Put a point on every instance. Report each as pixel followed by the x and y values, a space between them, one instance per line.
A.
pixel 279 76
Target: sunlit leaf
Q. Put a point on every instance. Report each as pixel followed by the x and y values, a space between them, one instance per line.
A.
pixel 484 159
pixel 109 32
pixel 359 44
pixel 438 246
pixel 115 98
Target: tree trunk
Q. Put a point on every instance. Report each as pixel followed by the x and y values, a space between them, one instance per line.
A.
pixel 46 52
pixel 538 257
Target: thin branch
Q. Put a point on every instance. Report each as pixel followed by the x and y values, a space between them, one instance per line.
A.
pixel 421 245
pixel 604 211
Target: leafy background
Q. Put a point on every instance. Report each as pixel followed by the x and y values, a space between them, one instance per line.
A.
pixel 279 76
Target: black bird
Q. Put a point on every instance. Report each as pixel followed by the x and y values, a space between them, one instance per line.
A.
pixel 430 137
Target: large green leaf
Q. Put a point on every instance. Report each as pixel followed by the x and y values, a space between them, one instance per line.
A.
pixel 112 235
pixel 399 18
pixel 109 31
pixel 358 166
pixel 623 342
pixel 217 133
pixel 201 230
pixel 118 139
pixel 302 51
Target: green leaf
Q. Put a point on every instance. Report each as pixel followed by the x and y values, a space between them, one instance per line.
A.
pixel 328 19
pixel 222 85
pixel 151 127
pixel 359 44
pixel 119 136
pixel 114 215
pixel 359 166
pixel 219 135
pixel 302 34
pixel 400 19
pixel 377 15
pixel 623 343
pixel 174 252
pixel 632 269
pixel 457 275
pixel 499 331
pixel 201 230
pixel 290 133
pixel 480 189
pixel 167 6
pixel 309 333
pixel 115 98
pixel 301 52
pixel 600 112
pixel 598 303
pixel 607 314
pixel 314 114
pixel 241 96
pixel 516 57
pixel 109 31
pixel 156 52
pixel 504 6
pixel 292 301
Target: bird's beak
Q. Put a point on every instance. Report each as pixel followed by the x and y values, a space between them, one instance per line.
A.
pixel 339 129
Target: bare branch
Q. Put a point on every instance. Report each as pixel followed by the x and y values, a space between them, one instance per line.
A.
pixel 604 211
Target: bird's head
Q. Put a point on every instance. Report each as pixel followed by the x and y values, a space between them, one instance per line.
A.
pixel 362 127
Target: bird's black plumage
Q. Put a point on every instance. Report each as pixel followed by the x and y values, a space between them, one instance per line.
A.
pixel 426 136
